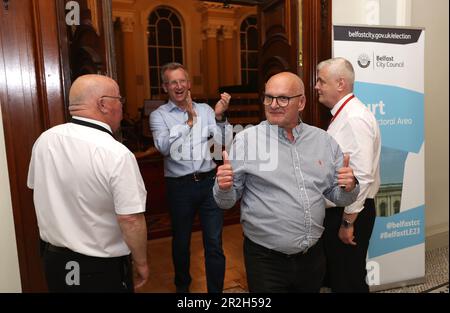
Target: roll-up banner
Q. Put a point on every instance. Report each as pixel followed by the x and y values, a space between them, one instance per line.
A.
pixel 389 72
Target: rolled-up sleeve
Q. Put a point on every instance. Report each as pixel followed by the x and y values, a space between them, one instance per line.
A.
pixel 163 137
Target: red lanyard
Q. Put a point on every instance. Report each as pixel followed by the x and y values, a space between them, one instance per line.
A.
pixel 340 109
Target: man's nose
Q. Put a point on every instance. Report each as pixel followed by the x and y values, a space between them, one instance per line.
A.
pixel 274 103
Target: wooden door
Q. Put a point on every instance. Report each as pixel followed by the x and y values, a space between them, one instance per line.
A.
pixel 31 95
pixel 34 80
pixel 280 46
pixel 278 29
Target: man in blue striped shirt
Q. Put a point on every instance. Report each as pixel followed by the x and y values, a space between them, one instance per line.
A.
pixel 181 130
pixel 283 170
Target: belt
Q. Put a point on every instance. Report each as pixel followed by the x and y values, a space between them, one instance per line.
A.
pixel 46 246
pixel 285 255
pixel 196 176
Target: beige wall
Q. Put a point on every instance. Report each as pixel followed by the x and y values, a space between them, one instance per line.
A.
pixel 9 262
pixel 434 17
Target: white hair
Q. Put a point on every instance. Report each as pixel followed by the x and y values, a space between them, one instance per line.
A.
pixel 339 68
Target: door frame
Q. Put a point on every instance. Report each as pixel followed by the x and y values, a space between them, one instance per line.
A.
pixel 43 103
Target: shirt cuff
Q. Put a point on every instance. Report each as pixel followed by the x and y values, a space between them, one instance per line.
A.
pixel 355 207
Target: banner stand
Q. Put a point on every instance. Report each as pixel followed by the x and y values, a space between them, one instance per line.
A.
pixel 389 80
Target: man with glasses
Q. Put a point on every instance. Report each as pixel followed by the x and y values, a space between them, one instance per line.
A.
pixel 181 130
pixel 89 196
pixel 282 208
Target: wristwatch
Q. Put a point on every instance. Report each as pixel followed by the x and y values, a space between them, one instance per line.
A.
pixel 224 118
pixel 346 224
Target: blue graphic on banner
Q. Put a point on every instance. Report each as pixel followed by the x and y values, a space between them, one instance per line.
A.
pixel 392 165
pixel 399 113
pixel 399 231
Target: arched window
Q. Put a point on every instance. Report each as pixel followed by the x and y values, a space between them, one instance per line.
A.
pixel 165 44
pixel 382 211
pixel 396 206
pixel 249 51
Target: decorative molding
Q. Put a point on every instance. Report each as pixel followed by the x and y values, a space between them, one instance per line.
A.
pixel 127 24
pixel 123 14
pixel 217 6
pixel 127 20
pixel 227 31
pixel 210 31
pixel 124 1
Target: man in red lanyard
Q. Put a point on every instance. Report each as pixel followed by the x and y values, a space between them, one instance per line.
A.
pixel 354 127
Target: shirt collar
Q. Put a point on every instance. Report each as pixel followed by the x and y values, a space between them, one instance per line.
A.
pixel 339 104
pixel 295 131
pixel 173 106
pixel 104 125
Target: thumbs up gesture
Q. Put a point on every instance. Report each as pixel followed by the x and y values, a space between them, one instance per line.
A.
pixel 225 173
pixel 346 179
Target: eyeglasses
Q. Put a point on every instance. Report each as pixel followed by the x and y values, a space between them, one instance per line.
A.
pixel 174 83
pixel 121 99
pixel 282 101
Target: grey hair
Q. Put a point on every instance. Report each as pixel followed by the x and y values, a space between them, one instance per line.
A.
pixel 172 66
pixel 340 68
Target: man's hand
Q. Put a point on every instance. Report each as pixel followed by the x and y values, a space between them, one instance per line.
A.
pixel 141 275
pixel 222 105
pixel 346 179
pixel 225 173
pixel 192 116
pixel 346 235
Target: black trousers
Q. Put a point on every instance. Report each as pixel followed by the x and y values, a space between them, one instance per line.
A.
pixel 272 271
pixel 186 197
pixel 346 264
pixel 69 271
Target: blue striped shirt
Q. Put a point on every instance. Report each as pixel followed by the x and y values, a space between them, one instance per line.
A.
pixel 283 185
pixel 186 150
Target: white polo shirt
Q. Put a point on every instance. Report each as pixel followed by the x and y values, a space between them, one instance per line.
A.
pixel 82 177
pixel 356 131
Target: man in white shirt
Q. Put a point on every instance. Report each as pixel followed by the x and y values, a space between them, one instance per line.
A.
pixel 348 230
pixel 89 196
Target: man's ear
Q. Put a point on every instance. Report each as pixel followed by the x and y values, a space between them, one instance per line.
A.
pixel 301 103
pixel 341 84
pixel 101 106
pixel 164 87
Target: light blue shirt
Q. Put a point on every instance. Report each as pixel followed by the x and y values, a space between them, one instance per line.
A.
pixel 186 150
pixel 283 185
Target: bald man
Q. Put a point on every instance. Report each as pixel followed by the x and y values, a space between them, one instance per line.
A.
pixel 89 196
pixel 283 170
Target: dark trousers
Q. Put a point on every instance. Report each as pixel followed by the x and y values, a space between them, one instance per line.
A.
pixel 346 264
pixel 69 271
pixel 272 271
pixel 185 197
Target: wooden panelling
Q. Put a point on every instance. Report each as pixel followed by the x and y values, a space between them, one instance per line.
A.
pixel 31 97
pixel 316 16
pixel 278 24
